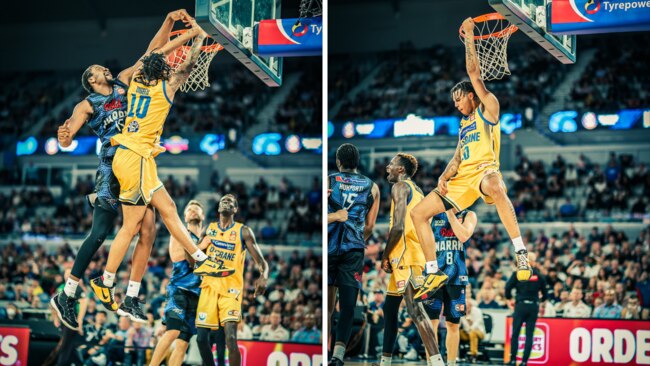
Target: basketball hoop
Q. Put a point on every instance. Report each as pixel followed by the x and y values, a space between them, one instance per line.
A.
pixel 491 43
pixel 198 78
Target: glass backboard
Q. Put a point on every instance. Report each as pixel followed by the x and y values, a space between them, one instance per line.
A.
pixel 230 22
pixel 530 16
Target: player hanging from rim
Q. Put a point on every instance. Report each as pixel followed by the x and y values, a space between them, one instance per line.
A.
pixel 182 293
pixel 150 96
pixel 404 260
pixel 452 233
pixel 104 111
pixel 353 204
pixel 473 172
pixel 221 298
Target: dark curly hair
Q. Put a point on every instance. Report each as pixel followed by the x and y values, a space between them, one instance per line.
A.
pixel 155 67
pixel 348 155
pixel 465 86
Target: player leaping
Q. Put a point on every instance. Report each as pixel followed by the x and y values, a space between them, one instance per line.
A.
pixel 473 172
pixel 104 111
pixel 150 98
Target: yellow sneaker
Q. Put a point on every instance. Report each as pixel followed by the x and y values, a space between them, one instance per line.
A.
pixel 523 267
pixel 212 269
pixel 104 293
pixel 432 283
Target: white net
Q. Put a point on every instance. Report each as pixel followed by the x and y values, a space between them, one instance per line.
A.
pixel 198 79
pixel 492 33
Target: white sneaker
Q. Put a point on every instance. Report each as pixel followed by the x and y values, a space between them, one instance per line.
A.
pixel 411 355
pixel 99 359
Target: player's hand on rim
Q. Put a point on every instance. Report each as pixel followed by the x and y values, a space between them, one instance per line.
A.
pixel 182 15
pixel 468 26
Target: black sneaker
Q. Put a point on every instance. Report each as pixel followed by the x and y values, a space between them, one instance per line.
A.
pixel 335 362
pixel 66 308
pixel 131 308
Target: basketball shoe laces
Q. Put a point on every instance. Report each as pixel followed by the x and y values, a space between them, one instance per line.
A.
pixel 135 305
pixel 522 261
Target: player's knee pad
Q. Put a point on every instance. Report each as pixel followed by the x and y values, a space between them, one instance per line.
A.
pixel 203 335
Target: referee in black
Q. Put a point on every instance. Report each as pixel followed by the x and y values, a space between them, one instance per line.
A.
pixel 526 308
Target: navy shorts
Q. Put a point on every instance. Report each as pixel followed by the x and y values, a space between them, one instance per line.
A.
pixel 453 299
pixel 180 313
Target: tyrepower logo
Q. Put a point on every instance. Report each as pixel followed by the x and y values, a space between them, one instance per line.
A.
pixel 280 358
pixel 618 346
pixel 8 350
pixel 539 353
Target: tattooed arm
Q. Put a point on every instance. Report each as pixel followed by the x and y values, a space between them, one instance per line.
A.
pixel 182 73
pixel 450 171
pixel 490 103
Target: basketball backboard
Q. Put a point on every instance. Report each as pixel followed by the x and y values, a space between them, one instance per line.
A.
pixel 530 16
pixel 230 23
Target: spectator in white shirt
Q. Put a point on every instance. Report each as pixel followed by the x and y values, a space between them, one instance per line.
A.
pixel 576 308
pixel 274 331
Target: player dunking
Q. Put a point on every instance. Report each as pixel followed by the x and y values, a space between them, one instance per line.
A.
pixel 150 96
pixel 221 298
pixel 473 172
pixel 352 208
pixel 104 111
pixel 452 233
pixel 404 260
pixel 182 293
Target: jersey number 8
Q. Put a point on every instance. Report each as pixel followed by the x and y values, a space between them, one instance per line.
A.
pixel 450 258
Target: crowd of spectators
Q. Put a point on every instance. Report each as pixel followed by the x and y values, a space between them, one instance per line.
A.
pixel 591 274
pixel 419 81
pixel 616 78
pixel 291 308
pixel 302 110
pixel 581 191
pixel 274 213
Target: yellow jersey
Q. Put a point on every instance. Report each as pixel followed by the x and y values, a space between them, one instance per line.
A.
pixel 408 250
pixel 227 246
pixel 480 141
pixel 147 112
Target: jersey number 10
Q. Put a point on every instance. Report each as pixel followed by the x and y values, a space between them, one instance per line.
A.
pixel 143 105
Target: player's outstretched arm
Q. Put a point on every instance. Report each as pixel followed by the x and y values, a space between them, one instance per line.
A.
pixel 158 41
pixel 464 230
pixel 474 72
pixel 399 194
pixel 182 73
pixel 450 171
pixel 371 216
pixel 256 253
pixel 80 115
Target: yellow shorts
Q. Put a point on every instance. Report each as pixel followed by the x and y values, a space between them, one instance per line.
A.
pixel 138 176
pixel 402 276
pixel 215 309
pixel 465 188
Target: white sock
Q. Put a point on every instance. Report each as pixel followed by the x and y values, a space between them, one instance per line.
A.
pixel 134 289
pixel 432 266
pixel 70 287
pixel 108 278
pixel 451 363
pixel 385 361
pixel 428 362
pixel 339 352
pixel 437 360
pixel 518 243
pixel 199 256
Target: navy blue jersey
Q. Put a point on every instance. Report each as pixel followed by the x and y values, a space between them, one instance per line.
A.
pixel 109 112
pixel 354 193
pixel 449 250
pixel 183 276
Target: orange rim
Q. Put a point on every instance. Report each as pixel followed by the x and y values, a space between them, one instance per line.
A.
pixel 207 48
pixel 491 16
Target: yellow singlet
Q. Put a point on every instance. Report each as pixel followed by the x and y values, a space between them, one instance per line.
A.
pixel 480 141
pixel 408 251
pixel 227 245
pixel 147 112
